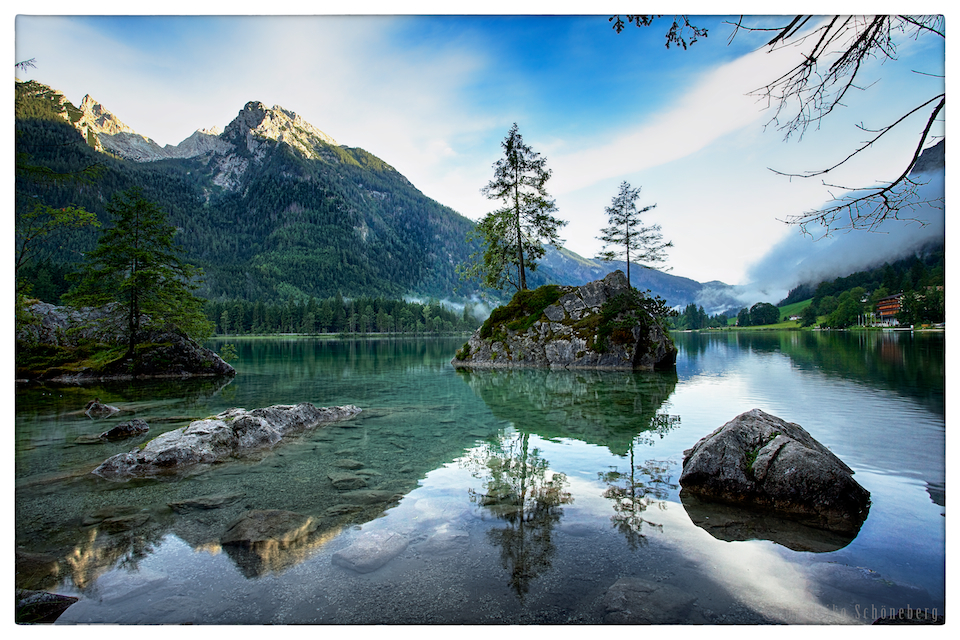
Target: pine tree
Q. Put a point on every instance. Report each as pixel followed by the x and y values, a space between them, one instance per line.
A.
pixel 642 244
pixel 513 234
pixel 137 268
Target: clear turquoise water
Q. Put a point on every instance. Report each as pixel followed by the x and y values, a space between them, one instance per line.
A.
pixel 519 496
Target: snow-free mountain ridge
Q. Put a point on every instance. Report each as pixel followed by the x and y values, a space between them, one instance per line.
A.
pixel 306 215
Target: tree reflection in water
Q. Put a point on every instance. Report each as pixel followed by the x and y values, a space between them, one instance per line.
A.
pixel 520 490
pixel 640 486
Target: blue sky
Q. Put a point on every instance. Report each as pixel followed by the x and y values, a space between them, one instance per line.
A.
pixel 434 96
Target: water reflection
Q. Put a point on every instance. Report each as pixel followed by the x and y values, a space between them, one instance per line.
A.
pixel 275 556
pixel 617 410
pixel 519 489
pixel 910 363
pixel 112 538
pixel 559 555
pixel 735 523
pixel 606 408
pixel 632 492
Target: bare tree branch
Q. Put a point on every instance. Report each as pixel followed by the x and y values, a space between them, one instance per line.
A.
pixel 834 55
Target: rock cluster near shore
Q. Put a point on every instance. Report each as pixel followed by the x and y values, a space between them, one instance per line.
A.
pixel 603 324
pixel 231 433
pixel 163 354
pixel 759 460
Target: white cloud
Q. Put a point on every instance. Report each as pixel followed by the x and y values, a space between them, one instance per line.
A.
pixel 704 159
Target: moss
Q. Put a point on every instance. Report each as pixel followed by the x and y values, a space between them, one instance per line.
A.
pixel 751 456
pixel 524 309
pixel 464 352
pixel 38 361
pixel 621 314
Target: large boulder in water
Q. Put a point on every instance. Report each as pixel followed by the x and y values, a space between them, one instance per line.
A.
pixel 231 433
pixel 759 460
pixel 603 324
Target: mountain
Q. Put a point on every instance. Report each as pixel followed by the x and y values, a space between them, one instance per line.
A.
pixel 272 207
pixel 562 266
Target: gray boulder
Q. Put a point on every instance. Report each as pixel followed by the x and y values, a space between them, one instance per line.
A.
pixel 603 324
pixel 234 432
pixel 759 460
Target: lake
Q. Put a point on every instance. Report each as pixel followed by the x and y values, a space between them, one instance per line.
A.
pixel 495 497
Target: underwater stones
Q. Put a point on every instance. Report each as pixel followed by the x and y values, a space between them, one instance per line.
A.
pixel 232 433
pixel 348 463
pixel 120 524
pixel 203 503
pixel 268 526
pixel 371 496
pixel 345 481
pixel 96 409
pixel 370 551
pixel 637 601
pixel 446 540
pixel 342 510
pixel 35 570
pixel 759 460
pixel 126 429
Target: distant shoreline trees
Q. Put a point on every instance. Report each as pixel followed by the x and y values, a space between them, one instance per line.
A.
pixel 335 315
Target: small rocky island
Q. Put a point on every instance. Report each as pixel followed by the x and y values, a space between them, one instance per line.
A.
pixel 68 345
pixel 603 324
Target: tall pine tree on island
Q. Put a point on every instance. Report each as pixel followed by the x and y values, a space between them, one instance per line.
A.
pixel 514 234
pixel 136 268
pixel 642 244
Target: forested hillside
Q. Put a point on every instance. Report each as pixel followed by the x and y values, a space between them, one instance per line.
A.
pixel 843 301
pixel 926 268
pixel 346 223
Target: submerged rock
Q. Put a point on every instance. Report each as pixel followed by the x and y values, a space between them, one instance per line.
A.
pixel 35 570
pixel 126 429
pixel 40 606
pixel 203 503
pixel 603 324
pixel 234 432
pixel 759 460
pixel 637 601
pixel 346 481
pixel 371 551
pixel 96 409
pixel 271 526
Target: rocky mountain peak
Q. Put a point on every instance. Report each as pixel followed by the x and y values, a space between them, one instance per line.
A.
pixel 276 123
pixel 99 119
